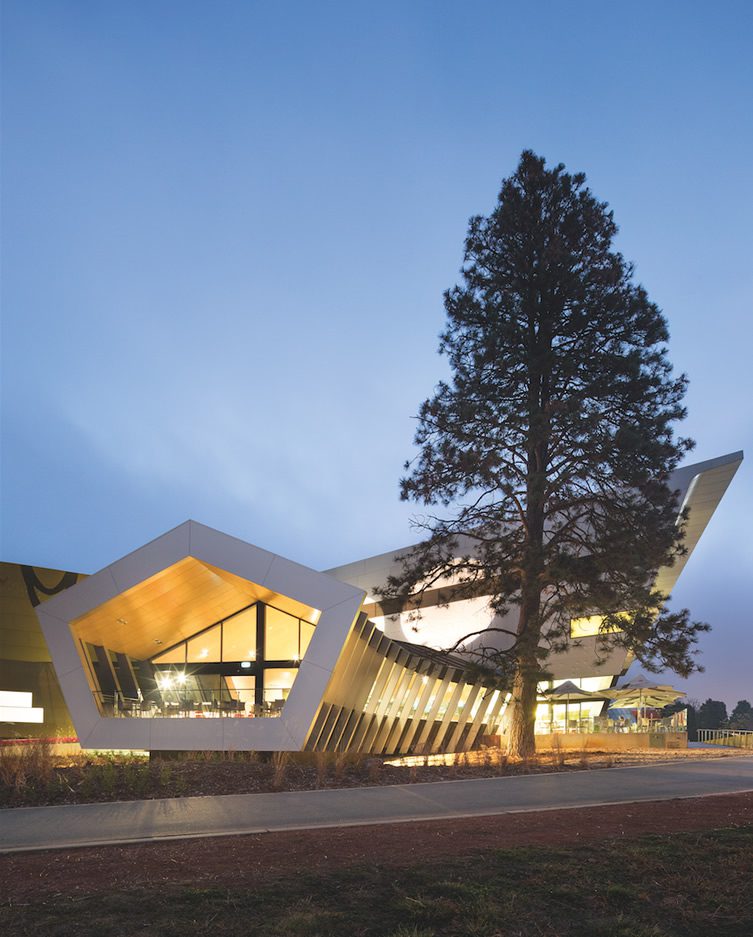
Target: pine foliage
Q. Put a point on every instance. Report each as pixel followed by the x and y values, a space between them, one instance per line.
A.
pixel 545 459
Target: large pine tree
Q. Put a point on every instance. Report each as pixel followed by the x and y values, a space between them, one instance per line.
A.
pixel 550 450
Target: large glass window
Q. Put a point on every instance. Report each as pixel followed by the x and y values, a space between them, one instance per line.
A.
pixel 222 671
pixel 281 636
pixel 277 683
pixel 243 689
pixel 239 636
pixel 234 640
pixel 175 656
pixel 205 647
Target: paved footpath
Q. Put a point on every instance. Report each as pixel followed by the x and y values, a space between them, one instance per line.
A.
pixel 30 828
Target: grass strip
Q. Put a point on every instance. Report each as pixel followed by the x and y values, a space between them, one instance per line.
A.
pixel 680 885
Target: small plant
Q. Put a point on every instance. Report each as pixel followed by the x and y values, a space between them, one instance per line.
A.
pixel 280 762
pixel 164 775
pixel 8 766
pixel 341 763
pixel 500 759
pixel 107 778
pixel 558 752
pixel 39 761
pixel 405 931
pixel 137 779
pixel 25 769
pixel 321 763
pixel 12 770
pixel 374 769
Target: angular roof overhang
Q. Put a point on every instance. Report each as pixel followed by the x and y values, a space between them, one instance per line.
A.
pixel 701 486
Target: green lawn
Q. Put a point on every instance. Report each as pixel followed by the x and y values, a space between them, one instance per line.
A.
pixel 683 885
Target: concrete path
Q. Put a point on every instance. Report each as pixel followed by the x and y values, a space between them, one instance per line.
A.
pixel 30 828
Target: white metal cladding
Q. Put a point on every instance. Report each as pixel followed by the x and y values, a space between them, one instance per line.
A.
pixel 388 698
pixel 338 604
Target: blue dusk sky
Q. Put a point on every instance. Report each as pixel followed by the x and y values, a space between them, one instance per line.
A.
pixel 227 226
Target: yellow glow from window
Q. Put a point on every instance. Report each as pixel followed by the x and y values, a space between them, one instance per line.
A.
pixel 239 636
pixel 594 684
pixel 205 647
pixel 281 635
pixel 590 626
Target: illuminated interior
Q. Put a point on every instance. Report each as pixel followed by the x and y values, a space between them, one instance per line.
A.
pixel 556 716
pixel 244 665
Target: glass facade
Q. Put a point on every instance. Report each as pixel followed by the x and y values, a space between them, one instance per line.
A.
pixel 206 647
pixel 244 665
pixel 239 636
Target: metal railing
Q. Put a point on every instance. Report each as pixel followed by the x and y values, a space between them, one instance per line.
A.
pixel 190 706
pixel 602 724
pixel 732 738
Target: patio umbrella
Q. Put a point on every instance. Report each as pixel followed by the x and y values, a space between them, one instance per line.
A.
pixel 567 693
pixel 639 693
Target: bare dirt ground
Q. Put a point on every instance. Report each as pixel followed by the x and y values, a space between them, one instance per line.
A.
pixel 242 861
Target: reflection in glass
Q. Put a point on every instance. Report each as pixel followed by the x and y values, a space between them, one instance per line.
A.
pixel 280 635
pixel 175 656
pixel 204 647
pixel 239 636
pixel 243 689
pixel 277 683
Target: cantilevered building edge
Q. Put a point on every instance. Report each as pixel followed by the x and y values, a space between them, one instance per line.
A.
pixel 701 487
pixel 199 641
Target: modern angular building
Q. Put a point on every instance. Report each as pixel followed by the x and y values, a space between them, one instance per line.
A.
pixel 199 641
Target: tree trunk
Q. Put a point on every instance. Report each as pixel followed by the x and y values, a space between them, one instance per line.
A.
pixel 521 741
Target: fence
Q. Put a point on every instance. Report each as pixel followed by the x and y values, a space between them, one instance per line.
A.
pixel 733 738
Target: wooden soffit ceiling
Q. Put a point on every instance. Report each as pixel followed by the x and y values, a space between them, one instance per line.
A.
pixel 173 605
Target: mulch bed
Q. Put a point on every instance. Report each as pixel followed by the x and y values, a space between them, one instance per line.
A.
pixel 96 779
pixel 242 861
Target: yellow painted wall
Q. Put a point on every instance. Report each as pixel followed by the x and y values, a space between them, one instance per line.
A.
pixel 25 663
